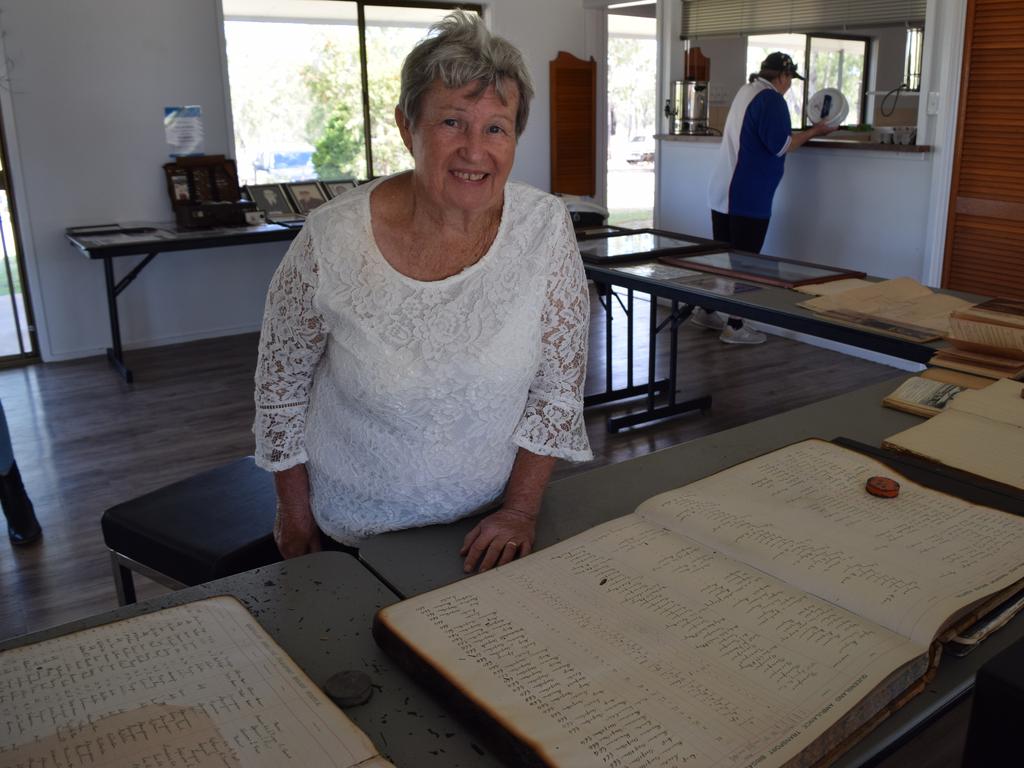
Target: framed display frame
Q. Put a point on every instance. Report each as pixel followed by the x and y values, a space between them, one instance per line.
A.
pixel 337 187
pixel 757 268
pixel 205 179
pixel 625 245
pixel 306 196
pixel 271 199
pixel 669 273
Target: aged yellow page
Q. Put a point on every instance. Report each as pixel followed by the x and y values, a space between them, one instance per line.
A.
pixel 1001 402
pixel 802 513
pixel 832 286
pixel 961 379
pixel 195 686
pixel 902 300
pixel 994 334
pixel 629 645
pixel 981 432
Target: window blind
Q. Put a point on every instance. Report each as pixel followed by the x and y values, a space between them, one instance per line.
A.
pixel 705 18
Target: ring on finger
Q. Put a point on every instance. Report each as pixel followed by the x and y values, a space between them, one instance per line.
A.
pixel 513 544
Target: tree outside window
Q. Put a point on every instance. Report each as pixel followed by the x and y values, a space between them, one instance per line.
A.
pixel 296 87
pixel 826 62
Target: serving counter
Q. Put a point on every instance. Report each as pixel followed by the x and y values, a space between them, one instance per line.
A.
pixel 844 204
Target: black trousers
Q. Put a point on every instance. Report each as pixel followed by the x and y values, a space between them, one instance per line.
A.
pixel 741 232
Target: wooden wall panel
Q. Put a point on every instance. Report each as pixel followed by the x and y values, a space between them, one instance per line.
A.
pixel 985 233
pixel 573 125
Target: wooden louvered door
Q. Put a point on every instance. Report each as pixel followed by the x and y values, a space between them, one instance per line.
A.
pixel 573 125
pixel 985 233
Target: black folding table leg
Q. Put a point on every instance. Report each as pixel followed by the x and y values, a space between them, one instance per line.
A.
pixel 607 296
pixel 652 412
pixel 115 354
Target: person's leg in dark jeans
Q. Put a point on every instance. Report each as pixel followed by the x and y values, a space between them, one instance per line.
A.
pixel 22 526
pixel 745 234
pixel 720 229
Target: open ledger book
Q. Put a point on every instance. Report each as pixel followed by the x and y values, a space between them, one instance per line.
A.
pixel 762 616
pixel 197 685
pixel 980 432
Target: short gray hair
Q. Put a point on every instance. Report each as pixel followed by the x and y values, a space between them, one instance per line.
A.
pixel 462 52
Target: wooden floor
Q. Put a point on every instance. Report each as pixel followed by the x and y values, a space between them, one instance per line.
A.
pixel 85 440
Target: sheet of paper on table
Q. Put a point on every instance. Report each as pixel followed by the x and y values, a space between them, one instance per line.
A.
pixel 903 300
pixel 194 685
pixel 833 287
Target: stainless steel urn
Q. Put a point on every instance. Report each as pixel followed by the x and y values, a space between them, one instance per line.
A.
pixel 687 110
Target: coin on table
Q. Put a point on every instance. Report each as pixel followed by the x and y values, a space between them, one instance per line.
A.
pixel 884 487
pixel 349 688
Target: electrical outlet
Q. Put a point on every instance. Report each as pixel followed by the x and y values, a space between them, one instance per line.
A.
pixel 719 94
pixel 933 102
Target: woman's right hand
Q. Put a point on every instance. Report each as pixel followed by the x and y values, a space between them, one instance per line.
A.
pixel 295 530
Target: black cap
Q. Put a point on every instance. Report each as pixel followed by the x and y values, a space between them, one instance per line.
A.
pixel 780 62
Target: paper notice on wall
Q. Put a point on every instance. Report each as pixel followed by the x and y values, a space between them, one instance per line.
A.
pixel 183 127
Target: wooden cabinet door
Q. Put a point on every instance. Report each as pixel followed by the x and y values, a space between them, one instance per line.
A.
pixel 985 232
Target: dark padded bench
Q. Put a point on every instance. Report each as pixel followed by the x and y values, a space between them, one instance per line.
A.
pixel 214 524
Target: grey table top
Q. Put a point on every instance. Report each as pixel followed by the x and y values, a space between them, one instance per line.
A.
pixel 319 609
pixel 418 560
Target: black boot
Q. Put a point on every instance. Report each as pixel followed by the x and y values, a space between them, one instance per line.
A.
pixel 22 526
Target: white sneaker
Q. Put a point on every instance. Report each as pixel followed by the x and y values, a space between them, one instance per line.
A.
pixel 713 320
pixel 742 335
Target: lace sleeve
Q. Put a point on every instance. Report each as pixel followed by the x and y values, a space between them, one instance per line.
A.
pixel 292 341
pixel 552 422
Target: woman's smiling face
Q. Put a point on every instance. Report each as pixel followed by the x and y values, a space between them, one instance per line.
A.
pixel 464 144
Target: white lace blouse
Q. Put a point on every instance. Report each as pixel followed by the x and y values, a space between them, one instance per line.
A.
pixel 407 400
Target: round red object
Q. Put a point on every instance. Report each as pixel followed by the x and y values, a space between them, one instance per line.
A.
pixel 885 487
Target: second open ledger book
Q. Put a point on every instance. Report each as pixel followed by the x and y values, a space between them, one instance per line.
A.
pixel 762 616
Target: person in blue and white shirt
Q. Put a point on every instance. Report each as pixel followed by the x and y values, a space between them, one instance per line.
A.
pixel 750 164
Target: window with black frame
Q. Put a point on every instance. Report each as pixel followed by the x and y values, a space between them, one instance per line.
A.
pixel 826 61
pixel 314 84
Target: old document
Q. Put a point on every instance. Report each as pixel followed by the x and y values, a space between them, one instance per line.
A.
pixel 902 301
pixel 629 645
pixel 757 617
pixel 195 686
pixel 981 432
pixel 832 287
pixel 802 514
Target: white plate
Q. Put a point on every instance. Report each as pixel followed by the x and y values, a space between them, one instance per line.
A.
pixel 838 110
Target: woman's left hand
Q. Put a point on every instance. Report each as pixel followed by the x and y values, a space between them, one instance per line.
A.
pixel 499 538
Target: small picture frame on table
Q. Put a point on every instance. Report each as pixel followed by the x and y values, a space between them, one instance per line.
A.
pixel 335 188
pixel 271 199
pixel 758 268
pixel 179 187
pixel 306 195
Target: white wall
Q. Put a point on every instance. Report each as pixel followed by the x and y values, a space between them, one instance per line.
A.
pixel 540 29
pixel 88 83
pixel 848 208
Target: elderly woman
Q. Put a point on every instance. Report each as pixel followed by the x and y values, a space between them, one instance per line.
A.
pixel 424 343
